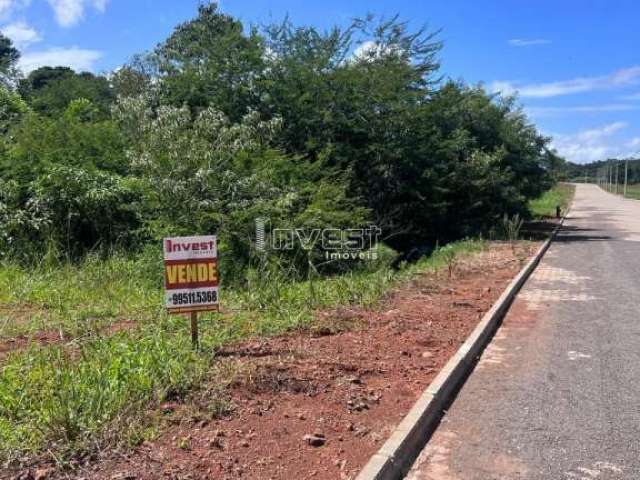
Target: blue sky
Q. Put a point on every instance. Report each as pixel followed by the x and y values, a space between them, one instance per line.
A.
pixel 575 63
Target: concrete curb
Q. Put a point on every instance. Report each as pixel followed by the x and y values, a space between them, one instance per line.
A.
pixel 396 457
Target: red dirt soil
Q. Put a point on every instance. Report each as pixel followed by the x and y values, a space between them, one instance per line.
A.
pixel 350 389
pixel 46 338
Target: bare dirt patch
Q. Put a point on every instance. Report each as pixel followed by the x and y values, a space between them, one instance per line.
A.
pixel 318 404
pixel 44 338
pixel 22 342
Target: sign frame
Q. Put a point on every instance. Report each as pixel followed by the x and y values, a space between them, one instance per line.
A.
pixel 191 278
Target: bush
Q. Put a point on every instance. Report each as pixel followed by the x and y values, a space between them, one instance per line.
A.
pixel 221 125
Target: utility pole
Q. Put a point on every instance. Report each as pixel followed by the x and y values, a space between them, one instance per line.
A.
pixel 617 175
pixel 610 176
pixel 626 176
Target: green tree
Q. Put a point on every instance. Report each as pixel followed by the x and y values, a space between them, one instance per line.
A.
pixel 209 61
pixel 209 174
pixel 346 98
pixel 12 108
pixel 220 125
pixel 467 159
pixel 65 183
pixel 77 138
pixel 9 57
pixel 50 90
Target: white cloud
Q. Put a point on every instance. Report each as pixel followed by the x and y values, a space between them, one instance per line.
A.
pixel 558 111
pixel 9 6
pixel 77 58
pixel 70 12
pixel 621 78
pixel 5 7
pixel 21 34
pixel 528 42
pixel 100 5
pixel 365 50
pixel 593 144
pixel 634 143
pixel 369 50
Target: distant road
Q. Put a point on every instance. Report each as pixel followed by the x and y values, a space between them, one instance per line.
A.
pixel 557 393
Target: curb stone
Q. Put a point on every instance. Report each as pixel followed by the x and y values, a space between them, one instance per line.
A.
pixel 396 457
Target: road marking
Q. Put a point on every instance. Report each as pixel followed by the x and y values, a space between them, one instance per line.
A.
pixel 433 462
pixel 546 286
pixel 539 298
pixel 599 470
pixel 573 355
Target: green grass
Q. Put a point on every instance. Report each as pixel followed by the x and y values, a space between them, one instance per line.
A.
pixel 633 191
pixel 545 205
pixel 100 388
pixel 76 300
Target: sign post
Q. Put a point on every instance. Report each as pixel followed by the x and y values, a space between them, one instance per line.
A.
pixel 194 329
pixel 191 277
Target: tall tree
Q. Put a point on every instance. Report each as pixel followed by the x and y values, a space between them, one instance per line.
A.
pixel 9 57
pixel 209 61
pixel 50 90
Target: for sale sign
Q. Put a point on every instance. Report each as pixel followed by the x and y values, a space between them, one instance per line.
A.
pixel 191 274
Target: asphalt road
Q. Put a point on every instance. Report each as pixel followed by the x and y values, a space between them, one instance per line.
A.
pixel 556 395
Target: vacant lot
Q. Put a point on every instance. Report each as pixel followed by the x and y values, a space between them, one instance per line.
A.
pixel 87 352
pixel 349 371
pixel 91 363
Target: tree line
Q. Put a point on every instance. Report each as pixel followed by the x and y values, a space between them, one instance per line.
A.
pixel 222 123
pixel 611 169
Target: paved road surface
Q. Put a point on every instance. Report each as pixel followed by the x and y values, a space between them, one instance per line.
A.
pixel 557 393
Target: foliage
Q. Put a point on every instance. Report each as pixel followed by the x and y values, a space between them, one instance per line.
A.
pixel 604 171
pixel 511 227
pixel 545 205
pixel 210 61
pixel 225 176
pixel 50 90
pixel 9 56
pixel 12 108
pixel 63 185
pixel 220 125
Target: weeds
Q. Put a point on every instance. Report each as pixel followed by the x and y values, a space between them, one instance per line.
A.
pixel 61 398
pixel 449 256
pixel 545 205
pixel 511 227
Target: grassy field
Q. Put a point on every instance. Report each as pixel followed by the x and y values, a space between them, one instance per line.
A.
pixel 116 355
pixel 633 191
pixel 545 206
